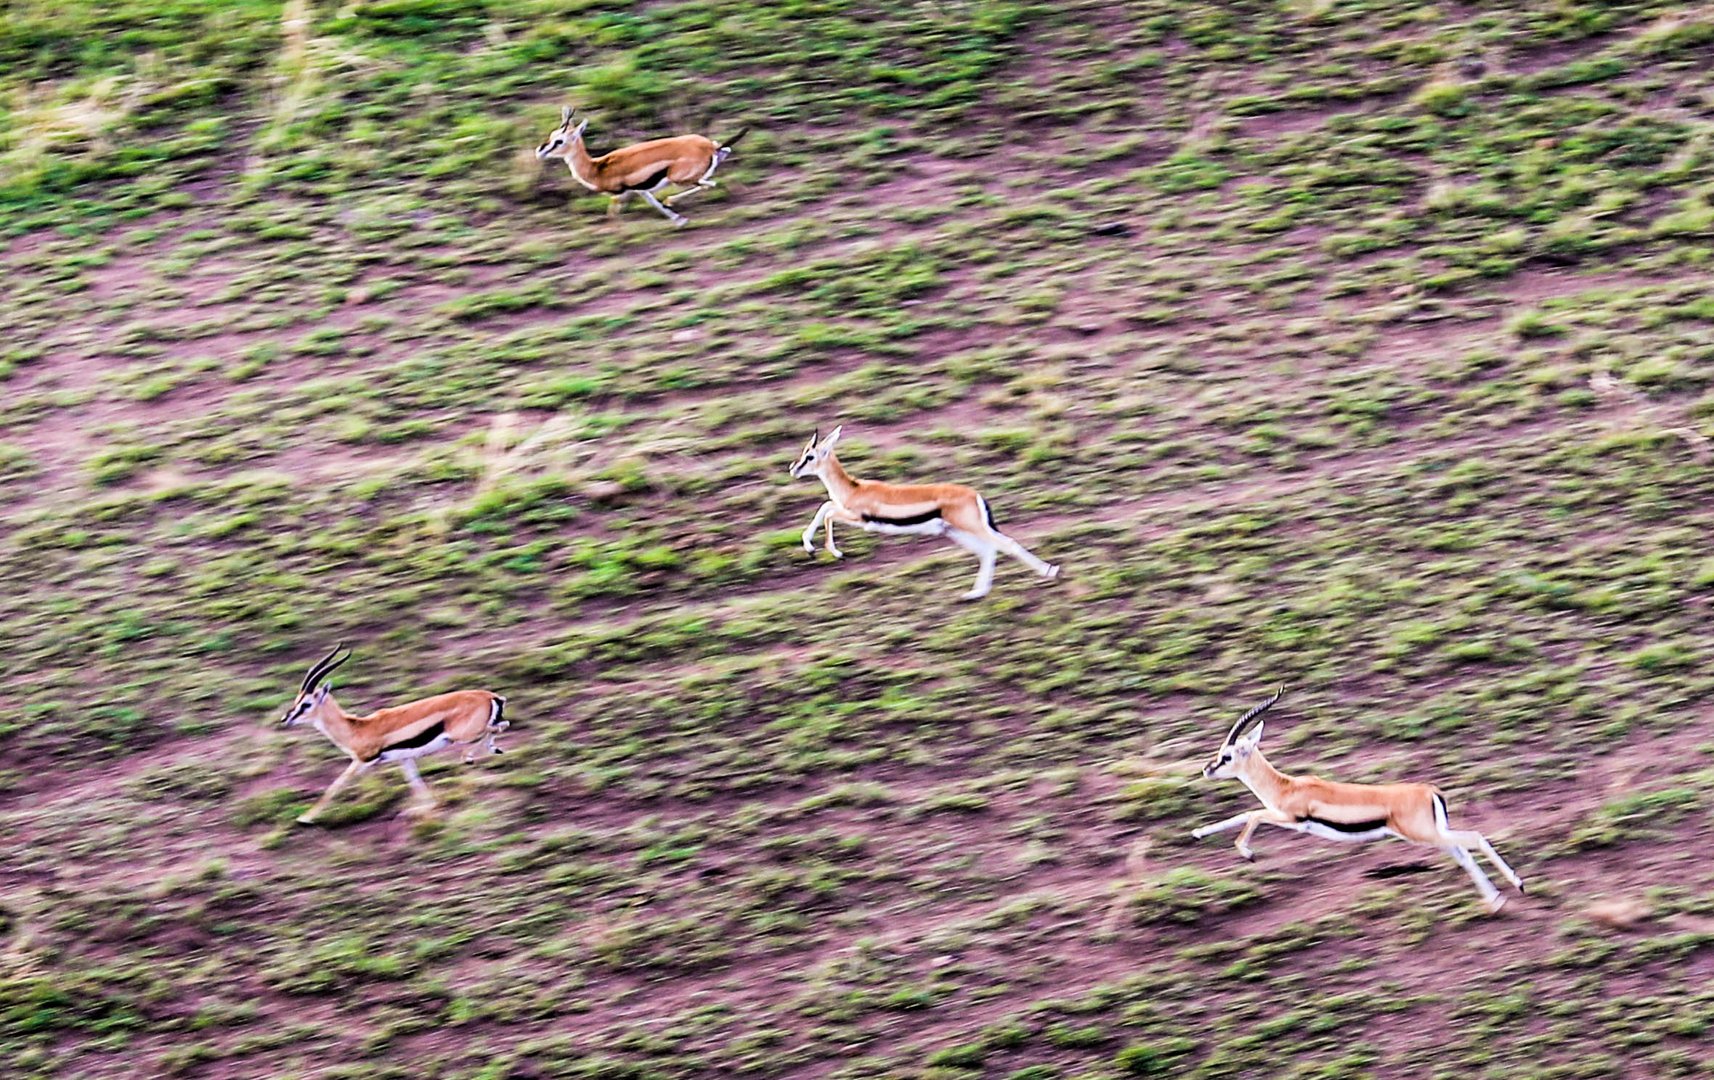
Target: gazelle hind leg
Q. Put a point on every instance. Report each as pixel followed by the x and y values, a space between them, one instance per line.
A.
pixel 1468 838
pixel 983 551
pixel 488 742
pixel 677 219
pixel 701 185
pixel 1023 555
pixel 1490 895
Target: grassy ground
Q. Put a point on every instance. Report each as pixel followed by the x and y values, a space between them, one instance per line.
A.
pixel 1359 347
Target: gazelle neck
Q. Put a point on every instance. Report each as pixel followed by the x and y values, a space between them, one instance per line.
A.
pixel 1264 781
pixel 840 486
pixel 333 721
pixel 582 166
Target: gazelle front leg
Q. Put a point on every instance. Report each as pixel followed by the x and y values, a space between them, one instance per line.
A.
pixel 1258 817
pixel 308 816
pixel 616 204
pixel 825 514
pixel 1224 826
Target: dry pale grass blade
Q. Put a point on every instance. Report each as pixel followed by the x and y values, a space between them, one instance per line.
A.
pixel 1136 868
pixel 306 65
pixel 42 123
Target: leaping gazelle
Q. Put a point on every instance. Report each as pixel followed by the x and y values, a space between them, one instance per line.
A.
pixel 402 733
pixel 950 510
pixel 1415 813
pixel 641 168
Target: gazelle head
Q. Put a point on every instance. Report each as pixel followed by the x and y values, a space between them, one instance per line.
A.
pixel 1236 750
pixel 560 141
pixel 815 454
pixel 315 688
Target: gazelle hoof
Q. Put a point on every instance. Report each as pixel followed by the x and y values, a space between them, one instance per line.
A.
pixel 680 222
pixel 305 819
pixel 1051 573
pixel 1197 834
pixel 836 553
pixel 1496 904
pixel 1246 854
pixel 973 594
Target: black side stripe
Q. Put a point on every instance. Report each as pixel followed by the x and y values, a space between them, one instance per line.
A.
pixel 915 519
pixel 989 511
pixel 649 184
pixel 420 739
pixel 1347 826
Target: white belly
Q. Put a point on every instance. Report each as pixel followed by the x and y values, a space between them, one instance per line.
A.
pixel 439 742
pixel 1380 832
pixel 936 527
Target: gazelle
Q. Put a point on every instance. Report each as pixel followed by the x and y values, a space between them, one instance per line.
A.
pixel 640 169
pixel 950 510
pixel 402 733
pixel 1349 812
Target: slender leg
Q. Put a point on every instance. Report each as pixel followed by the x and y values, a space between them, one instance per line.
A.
pixel 1224 826
pixel 308 816
pixel 617 203
pixel 672 216
pixel 1490 895
pixel 1017 551
pixel 822 515
pixel 704 184
pixel 984 575
pixel 1468 838
pixel 425 798
pixel 1259 817
pixel 983 551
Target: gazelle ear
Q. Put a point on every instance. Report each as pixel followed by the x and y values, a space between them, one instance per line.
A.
pixel 1254 738
pixel 833 438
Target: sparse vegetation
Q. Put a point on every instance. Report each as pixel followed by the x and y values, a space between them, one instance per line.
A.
pixel 1362 347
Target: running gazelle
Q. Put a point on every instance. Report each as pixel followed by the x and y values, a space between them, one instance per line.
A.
pixel 1348 812
pixel 950 510
pixel 641 168
pixel 401 733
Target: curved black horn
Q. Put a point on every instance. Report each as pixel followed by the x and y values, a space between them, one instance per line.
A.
pixel 324 667
pixel 565 112
pixel 1243 723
